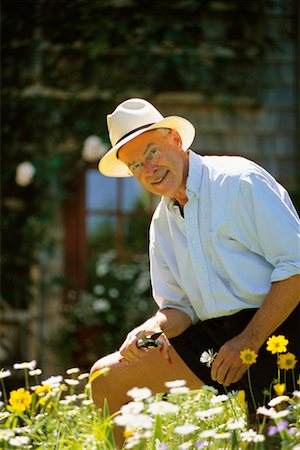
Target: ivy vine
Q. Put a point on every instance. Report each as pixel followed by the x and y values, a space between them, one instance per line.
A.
pixel 66 63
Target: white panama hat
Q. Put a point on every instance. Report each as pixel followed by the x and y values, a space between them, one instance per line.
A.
pixel 132 118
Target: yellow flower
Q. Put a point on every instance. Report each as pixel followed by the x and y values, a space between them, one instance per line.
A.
pixel 241 395
pixel 248 356
pixel 277 344
pixel 43 400
pixel 20 399
pixel 41 390
pixel 287 361
pixel 128 432
pixel 279 388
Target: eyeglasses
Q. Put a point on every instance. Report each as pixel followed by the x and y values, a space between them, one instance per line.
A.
pixel 150 156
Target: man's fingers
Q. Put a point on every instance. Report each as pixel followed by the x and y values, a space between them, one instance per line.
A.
pixel 129 355
pixel 132 352
pixel 215 367
pixel 239 373
pixel 164 350
pixel 227 373
pixel 221 371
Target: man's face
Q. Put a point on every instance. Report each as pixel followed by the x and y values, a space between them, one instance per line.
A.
pixel 157 160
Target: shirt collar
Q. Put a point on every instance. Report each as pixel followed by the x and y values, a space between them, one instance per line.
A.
pixel 195 174
pixel 193 179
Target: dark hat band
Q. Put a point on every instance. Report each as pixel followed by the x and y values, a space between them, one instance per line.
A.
pixel 133 131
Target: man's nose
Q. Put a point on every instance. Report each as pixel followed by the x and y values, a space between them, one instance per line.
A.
pixel 150 168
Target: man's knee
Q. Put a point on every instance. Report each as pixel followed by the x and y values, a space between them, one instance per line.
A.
pixel 102 375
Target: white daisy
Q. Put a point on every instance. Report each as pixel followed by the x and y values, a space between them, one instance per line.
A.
pixel 208 357
pixel 71 381
pixel 35 372
pixel 277 400
pixel 219 398
pixel 252 436
pixel 209 412
pixel 54 381
pixel 5 434
pixel 139 393
pixel 31 365
pixel 179 390
pixel 187 428
pixel 19 441
pixel 163 407
pixel 4 373
pixel 134 421
pixel 175 383
pixel 72 370
pixel 132 408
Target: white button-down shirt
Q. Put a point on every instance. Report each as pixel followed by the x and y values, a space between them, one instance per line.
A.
pixel 240 232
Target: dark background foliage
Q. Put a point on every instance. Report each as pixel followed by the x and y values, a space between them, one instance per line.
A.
pixel 65 57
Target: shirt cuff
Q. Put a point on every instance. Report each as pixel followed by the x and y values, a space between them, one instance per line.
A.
pixel 189 311
pixel 283 272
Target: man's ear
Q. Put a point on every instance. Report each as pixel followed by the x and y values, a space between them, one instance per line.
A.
pixel 176 137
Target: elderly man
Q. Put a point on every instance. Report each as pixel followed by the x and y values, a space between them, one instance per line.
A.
pixel 224 261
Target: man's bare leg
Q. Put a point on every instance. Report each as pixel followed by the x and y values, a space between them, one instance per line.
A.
pixel 151 371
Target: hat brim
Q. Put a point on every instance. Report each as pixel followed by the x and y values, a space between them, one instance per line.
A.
pixel 111 166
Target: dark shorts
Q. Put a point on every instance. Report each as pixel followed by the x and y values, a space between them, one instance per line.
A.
pixel 213 333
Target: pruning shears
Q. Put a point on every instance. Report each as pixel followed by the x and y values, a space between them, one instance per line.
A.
pixel 150 341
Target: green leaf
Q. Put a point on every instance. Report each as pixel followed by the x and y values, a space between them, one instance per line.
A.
pixel 157 432
pixel 108 432
pixel 234 441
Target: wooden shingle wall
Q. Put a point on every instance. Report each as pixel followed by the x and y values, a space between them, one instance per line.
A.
pixel 266 131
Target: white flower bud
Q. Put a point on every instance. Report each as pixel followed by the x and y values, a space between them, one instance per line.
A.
pixel 24 173
pixel 93 149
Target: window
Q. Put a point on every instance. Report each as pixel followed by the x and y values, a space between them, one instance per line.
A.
pixel 104 214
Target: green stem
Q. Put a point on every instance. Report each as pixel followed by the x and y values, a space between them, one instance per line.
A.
pixel 250 387
pixel 262 425
pixel 4 391
pixel 294 379
pixel 26 379
pixel 231 404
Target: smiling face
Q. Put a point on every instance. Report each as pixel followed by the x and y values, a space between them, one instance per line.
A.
pixel 157 160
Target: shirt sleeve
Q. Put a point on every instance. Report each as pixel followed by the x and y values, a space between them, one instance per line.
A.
pixel 166 291
pixel 269 224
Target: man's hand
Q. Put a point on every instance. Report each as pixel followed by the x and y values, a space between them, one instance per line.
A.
pixel 227 367
pixel 130 350
pixel 171 322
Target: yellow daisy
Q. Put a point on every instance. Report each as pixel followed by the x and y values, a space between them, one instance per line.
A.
pixel 20 399
pixel 277 344
pixel 42 390
pixel 43 401
pixel 279 388
pixel 248 356
pixel 287 361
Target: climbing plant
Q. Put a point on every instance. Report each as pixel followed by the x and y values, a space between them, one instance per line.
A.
pixel 66 64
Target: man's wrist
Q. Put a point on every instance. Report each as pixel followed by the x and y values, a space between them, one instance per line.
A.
pixel 152 325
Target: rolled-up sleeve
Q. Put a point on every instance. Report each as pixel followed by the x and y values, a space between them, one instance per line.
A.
pixel 269 223
pixel 166 291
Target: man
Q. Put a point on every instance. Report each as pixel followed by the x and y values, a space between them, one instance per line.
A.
pixel 224 261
